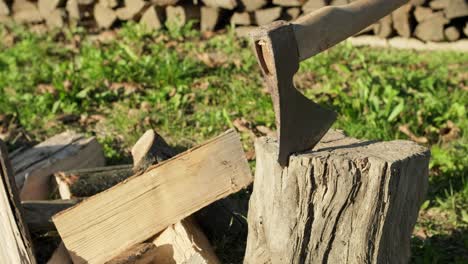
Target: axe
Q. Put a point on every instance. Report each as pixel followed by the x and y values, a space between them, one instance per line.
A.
pixel 281 46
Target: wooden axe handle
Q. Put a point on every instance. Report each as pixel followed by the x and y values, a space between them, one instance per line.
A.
pixel 324 28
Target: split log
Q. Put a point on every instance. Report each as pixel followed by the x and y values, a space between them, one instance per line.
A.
pixel 104 16
pixel 55 19
pixel 291 13
pixel 456 9
pixel 422 13
pixel 88 182
pixel 439 4
pixel 383 28
pixel 252 5
pixel 417 2
pixel 38 214
pixel 402 20
pixel 155 200
pixel 73 9
pixel 164 2
pixel 210 17
pixel 465 29
pixel 46 7
pixel 132 10
pixel 226 4
pixel 144 253
pixel 15 244
pixel 109 3
pixel 4 9
pixel 25 12
pixel 34 167
pixel 349 201
pixel 267 15
pixel 432 29
pixel 243 19
pixel 289 2
pixel 153 18
pixel 452 34
pixel 313 5
pixel 180 15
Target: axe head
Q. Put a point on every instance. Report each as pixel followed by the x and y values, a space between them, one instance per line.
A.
pixel 301 123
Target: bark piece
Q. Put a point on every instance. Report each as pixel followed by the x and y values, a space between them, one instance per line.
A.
pixel 432 29
pixel 15 244
pixel 226 4
pixel 152 18
pixel 132 10
pixel 55 19
pixel 4 9
pixel 402 20
pixel 104 16
pixel 210 17
pixel 422 13
pixel 156 199
pixel 384 28
pixel 349 201
pixel 34 167
pixel 289 2
pixel 456 8
pixel 313 5
pixel 25 12
pixel 38 214
pixel 243 19
pixel 88 182
pixel 267 15
pixel 252 5
pixel 181 15
pixel 452 33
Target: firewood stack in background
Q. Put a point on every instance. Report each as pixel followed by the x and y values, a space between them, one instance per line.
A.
pixel 427 20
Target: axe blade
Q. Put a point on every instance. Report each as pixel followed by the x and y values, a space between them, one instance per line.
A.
pixel 301 123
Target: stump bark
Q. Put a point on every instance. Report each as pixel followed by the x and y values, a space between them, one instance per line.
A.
pixel 348 201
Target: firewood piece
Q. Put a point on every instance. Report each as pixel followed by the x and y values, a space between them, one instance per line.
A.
pixel 452 34
pixel 164 2
pixel 210 17
pixel 338 2
pixel 46 7
pixel 439 4
pixel 132 10
pixel 252 5
pixel 25 12
pixel 242 32
pixel 417 2
pixel 60 256
pixel 349 201
pixel 149 149
pixel 73 10
pixel 313 5
pixel 109 3
pixel 267 15
pixel 182 242
pixel 38 214
pixel 95 231
pixel 4 9
pixel 34 167
pixel 16 245
pixel 226 4
pixel 243 19
pixel 291 13
pixel 180 15
pixel 87 182
pixel 55 19
pixel 289 2
pixel 384 28
pixel 152 18
pixel 144 253
pixel 422 13
pixel 456 8
pixel 402 20
pixel 465 29
pixel 104 16
pixel 432 29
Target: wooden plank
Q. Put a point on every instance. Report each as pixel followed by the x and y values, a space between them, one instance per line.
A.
pixel 103 226
pixel 38 214
pixel 15 242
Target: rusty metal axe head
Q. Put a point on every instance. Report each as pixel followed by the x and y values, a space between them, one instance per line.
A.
pixel 301 123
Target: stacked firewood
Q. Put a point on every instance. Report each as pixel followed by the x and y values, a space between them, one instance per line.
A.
pixel 428 20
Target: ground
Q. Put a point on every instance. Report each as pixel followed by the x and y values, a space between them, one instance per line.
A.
pixel 190 87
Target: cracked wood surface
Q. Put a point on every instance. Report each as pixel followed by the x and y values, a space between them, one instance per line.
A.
pixel 349 201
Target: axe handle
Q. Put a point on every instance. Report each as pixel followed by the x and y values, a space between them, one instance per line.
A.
pixel 324 28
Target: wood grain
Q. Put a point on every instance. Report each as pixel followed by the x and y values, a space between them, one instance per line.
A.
pixel 106 224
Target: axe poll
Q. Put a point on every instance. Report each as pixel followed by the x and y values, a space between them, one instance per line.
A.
pixel 281 46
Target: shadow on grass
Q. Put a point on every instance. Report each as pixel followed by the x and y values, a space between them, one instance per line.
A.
pixel 451 248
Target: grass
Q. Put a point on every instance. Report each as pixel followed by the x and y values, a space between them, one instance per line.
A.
pixel 190 89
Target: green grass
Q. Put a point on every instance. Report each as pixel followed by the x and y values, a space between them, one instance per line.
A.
pixel 191 89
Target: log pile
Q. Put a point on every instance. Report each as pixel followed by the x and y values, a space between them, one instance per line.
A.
pixel 427 20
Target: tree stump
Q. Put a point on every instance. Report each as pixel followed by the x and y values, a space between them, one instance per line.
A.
pixel 348 201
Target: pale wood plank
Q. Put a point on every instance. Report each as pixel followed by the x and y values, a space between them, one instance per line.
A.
pixel 106 224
